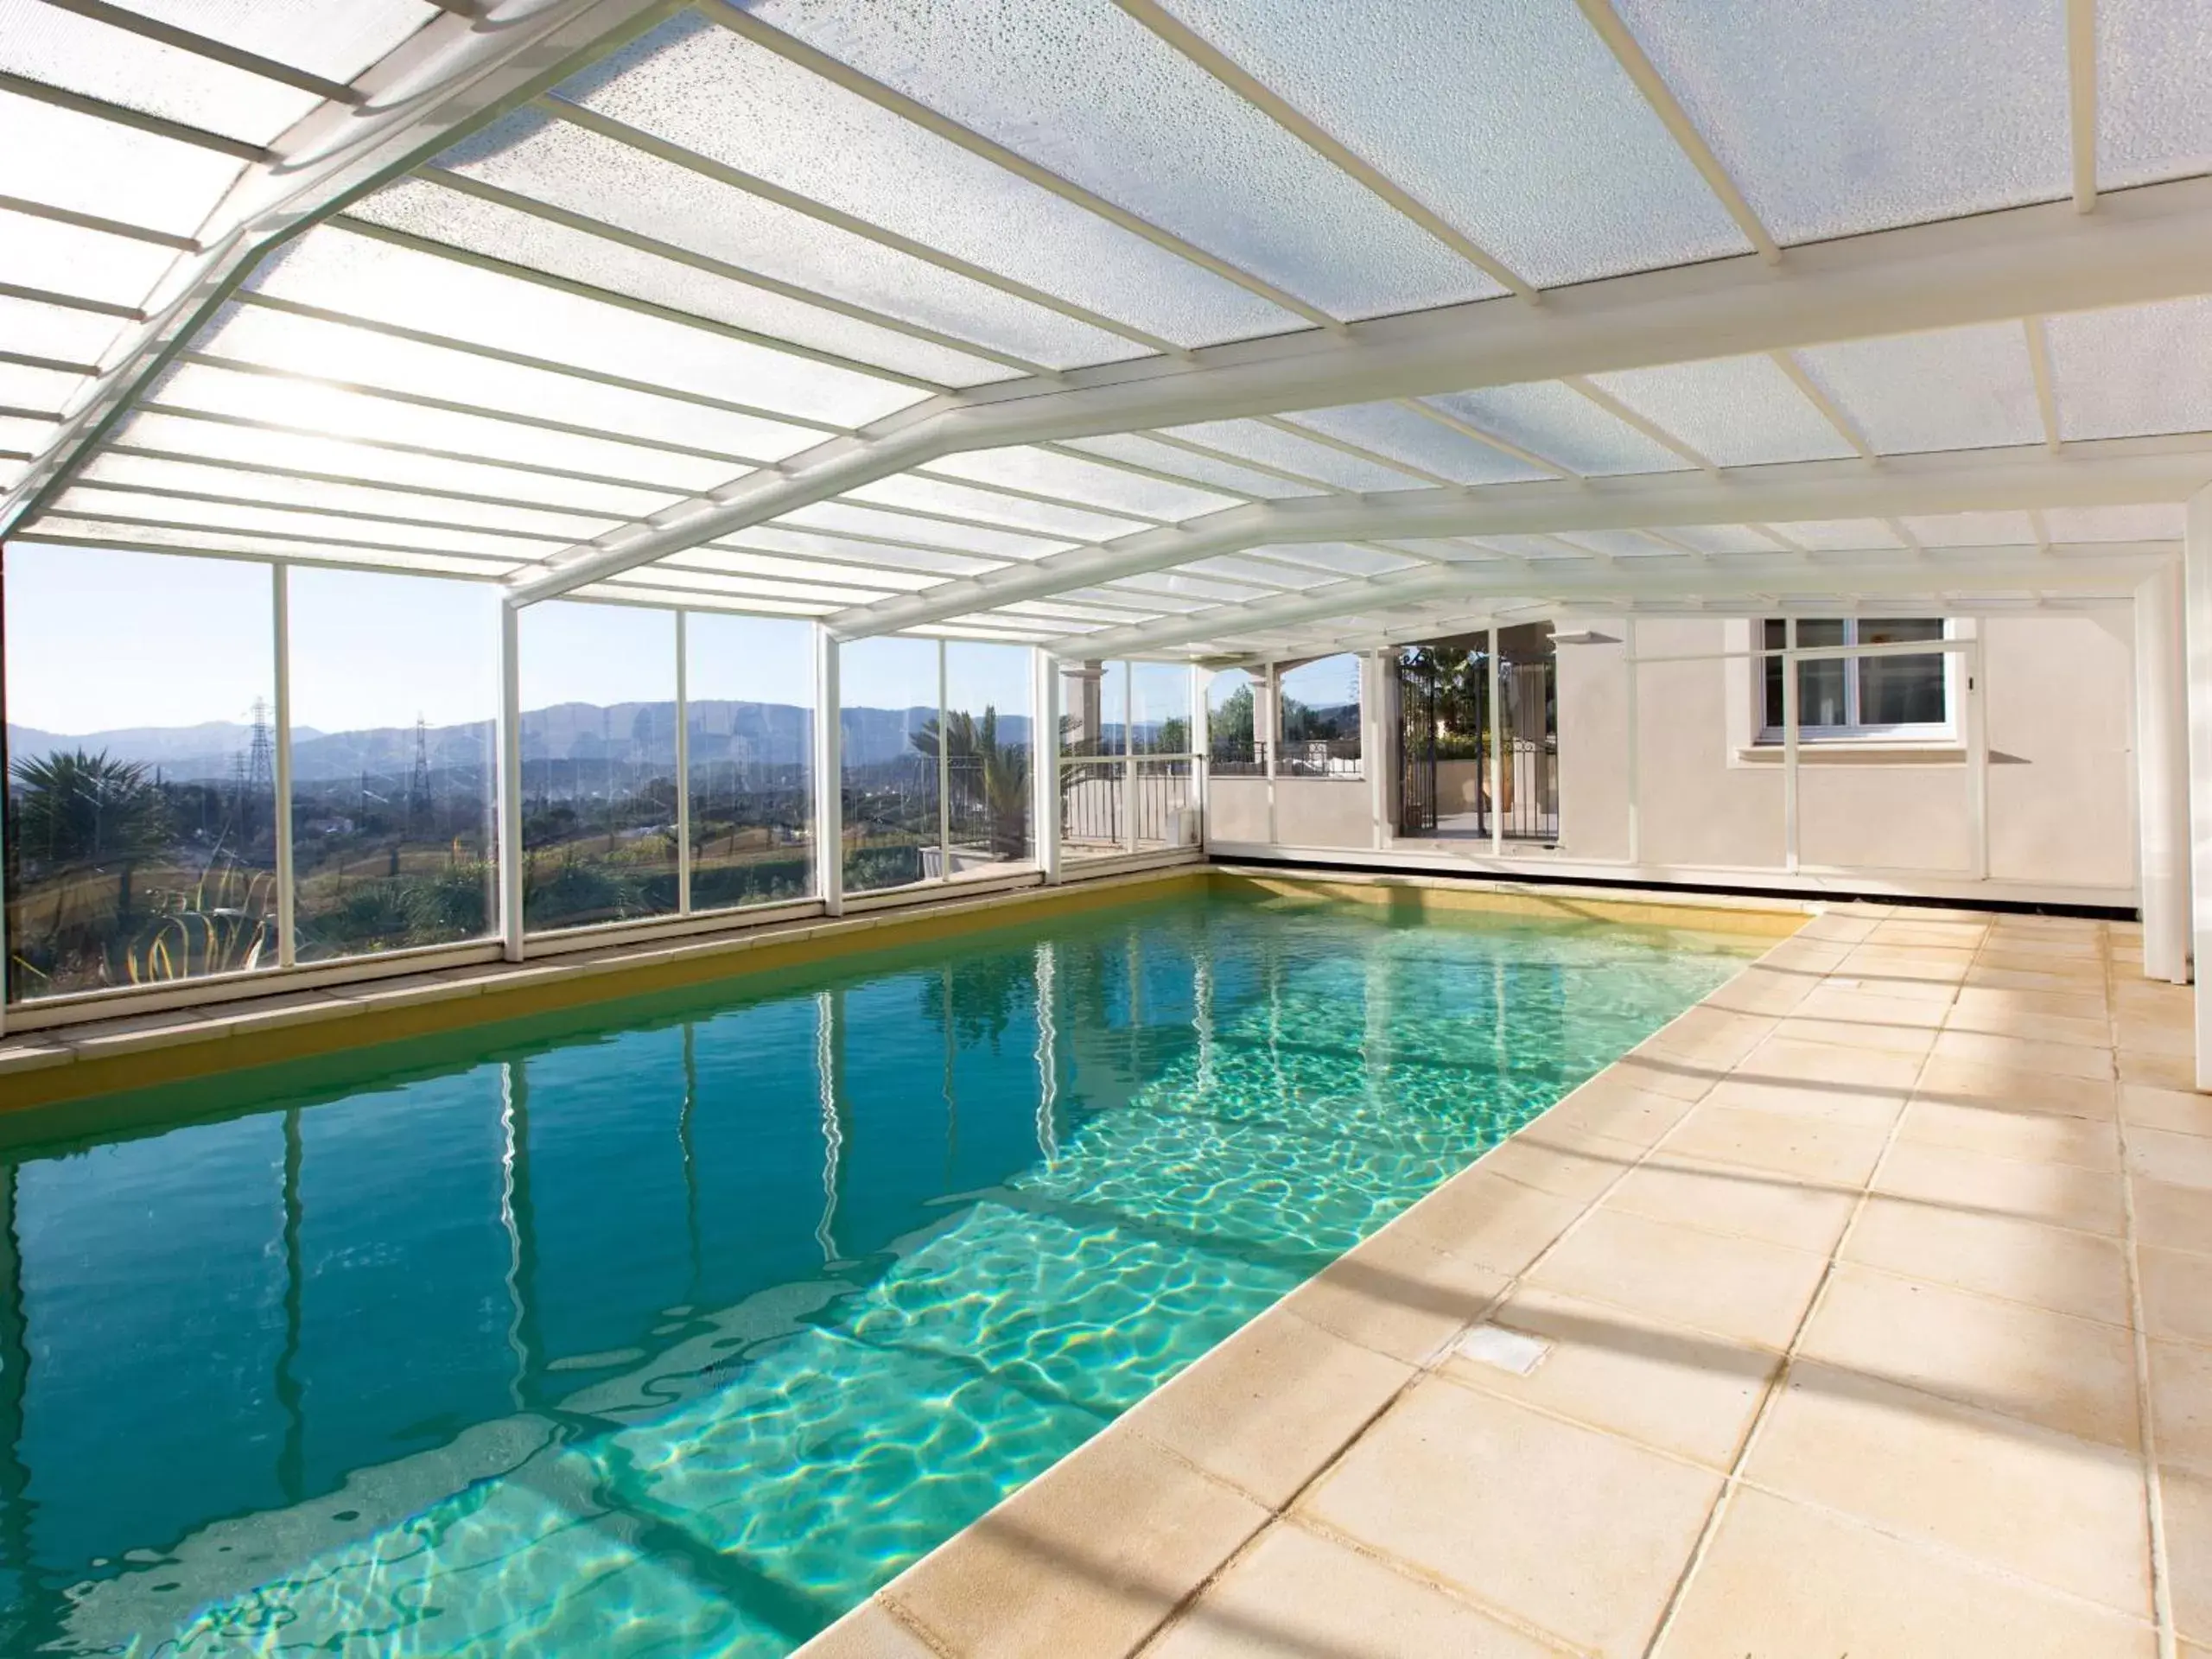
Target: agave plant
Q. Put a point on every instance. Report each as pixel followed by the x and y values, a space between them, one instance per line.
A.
pixel 227 924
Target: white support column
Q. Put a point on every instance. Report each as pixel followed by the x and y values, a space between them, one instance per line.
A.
pixel 1374 747
pixel 508 797
pixel 1128 755
pixel 828 777
pixel 944 773
pixel 1790 745
pixel 1496 753
pixel 2162 778
pixel 683 763
pixel 1044 765
pixel 1267 723
pixel 288 898
pixel 1633 769
pixel 1201 752
pixel 1976 714
pixel 2196 568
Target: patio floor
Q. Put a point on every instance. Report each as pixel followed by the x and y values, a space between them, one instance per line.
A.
pixel 1866 1310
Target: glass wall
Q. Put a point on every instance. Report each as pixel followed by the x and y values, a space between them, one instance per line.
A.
pixel 749 703
pixel 888 734
pixel 1126 766
pixel 1319 719
pixel 989 741
pixel 394 704
pixel 141 780
pixel 1233 745
pixel 599 805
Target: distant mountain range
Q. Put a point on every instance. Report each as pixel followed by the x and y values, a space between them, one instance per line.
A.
pixel 771 732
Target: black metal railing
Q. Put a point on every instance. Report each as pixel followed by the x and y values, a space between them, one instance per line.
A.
pixel 1100 804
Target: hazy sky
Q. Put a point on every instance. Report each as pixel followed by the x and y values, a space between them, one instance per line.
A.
pixel 99 639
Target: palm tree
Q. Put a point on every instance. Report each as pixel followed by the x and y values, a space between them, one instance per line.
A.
pixel 75 808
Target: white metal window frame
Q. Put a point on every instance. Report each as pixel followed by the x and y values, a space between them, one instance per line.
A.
pixel 1128 758
pixel 1851 654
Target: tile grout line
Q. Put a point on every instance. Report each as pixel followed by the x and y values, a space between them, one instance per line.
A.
pixel 2153 1494
pixel 1732 1480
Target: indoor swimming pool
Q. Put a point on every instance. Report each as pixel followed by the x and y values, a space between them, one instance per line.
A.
pixel 677 1326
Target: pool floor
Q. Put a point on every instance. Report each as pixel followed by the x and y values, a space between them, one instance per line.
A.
pixel 683 1328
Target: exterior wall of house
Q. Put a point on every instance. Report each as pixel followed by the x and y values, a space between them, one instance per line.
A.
pixel 1324 812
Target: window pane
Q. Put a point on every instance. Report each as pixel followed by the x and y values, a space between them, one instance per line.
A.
pixel 1823 683
pixel 988 725
pixel 888 727
pixel 1231 741
pixel 1094 802
pixel 140 769
pixel 1775 634
pixel 1164 805
pixel 1320 718
pixel 597 763
pixel 395 690
pixel 1094 708
pixel 1159 708
pixel 1900 691
pixel 749 689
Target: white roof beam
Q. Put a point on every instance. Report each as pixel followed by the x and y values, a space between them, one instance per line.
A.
pixel 445 79
pixel 2111 472
pixel 2082 98
pixel 2142 245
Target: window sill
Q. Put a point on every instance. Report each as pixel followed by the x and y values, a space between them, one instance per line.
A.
pixel 1860 752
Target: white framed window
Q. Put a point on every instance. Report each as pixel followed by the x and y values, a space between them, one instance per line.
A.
pixel 1868 699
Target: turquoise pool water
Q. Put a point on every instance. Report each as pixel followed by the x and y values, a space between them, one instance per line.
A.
pixel 676 1326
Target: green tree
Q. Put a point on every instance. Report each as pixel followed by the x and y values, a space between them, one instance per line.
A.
pixel 1228 727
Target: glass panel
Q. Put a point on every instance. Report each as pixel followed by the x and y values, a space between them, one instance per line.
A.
pixel 1141 451
pixel 988 729
pixel 1841 535
pixel 1112 489
pixel 65 259
pixel 59 528
pixel 1271 446
pixel 62 159
pixel 1321 719
pixel 2152 122
pixel 1094 809
pixel 24 435
pixel 2134 369
pixel 565 167
pixel 1233 745
pixel 749 690
pixel 132 508
pixel 41 388
pixel 1147 587
pixel 1094 709
pixel 1843 117
pixel 256 334
pixel 959 500
pixel 1513 120
pixel 1973 529
pixel 887 728
pixel 1957 388
pixel 336 42
pixel 1404 434
pixel 860 519
pixel 1340 557
pixel 1822 698
pixel 1722 539
pixel 598 764
pixel 810 545
pixel 1164 811
pixel 141 811
pixel 42 330
pixel 1260 576
pixel 395 693
pixel 323 408
pixel 1558 424
pixel 64 50
pixel 1100 100
pixel 1735 411
pixel 1159 708
pixel 487 227
pixel 342 271
pixel 1900 691
pixel 702 86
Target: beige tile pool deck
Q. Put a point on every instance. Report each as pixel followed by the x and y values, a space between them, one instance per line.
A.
pixel 1870 1310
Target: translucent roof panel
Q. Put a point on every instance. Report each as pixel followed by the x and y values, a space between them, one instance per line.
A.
pixel 257 334
pixel 1723 539
pixel 1138 449
pixel 63 49
pixel 1342 558
pixel 1023 466
pixel 1851 115
pixel 71 532
pixel 2154 90
pixel 307 406
pixel 1840 535
pixel 336 42
pixel 2134 369
pixel 502 233
pixel 1082 88
pixel 1973 530
pixel 784 538
pixel 60 158
pixel 1558 424
pixel 21 435
pixel 1258 576
pixel 1508 117
pixel 1271 446
pixel 964 501
pixel 1622 544
pixel 46 389
pixel 587 174
pixel 2158 522
pixel 1401 432
pixel 704 88
pixel 62 332
pixel 88 500
pixel 1180 585
pixel 852 518
pixel 43 253
pixel 739 562
pixel 1957 388
pixel 1735 411
pixel 342 271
